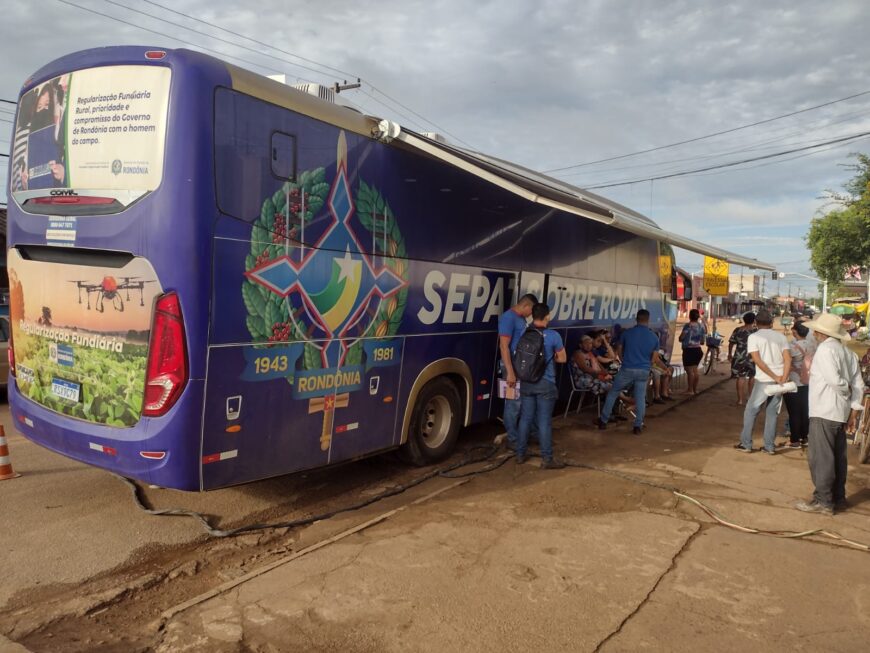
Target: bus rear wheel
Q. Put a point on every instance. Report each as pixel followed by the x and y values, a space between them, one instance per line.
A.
pixel 435 423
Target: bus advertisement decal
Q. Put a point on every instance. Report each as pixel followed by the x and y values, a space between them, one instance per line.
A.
pixel 97 128
pixel 320 383
pixel 82 333
pixel 271 363
pixel 331 298
pixel 382 353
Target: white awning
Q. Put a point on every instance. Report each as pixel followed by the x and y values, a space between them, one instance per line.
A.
pixel 556 194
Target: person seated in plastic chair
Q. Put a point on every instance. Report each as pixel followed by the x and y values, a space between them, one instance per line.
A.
pixel 661 373
pixel 587 370
pixel 603 351
pixel 589 374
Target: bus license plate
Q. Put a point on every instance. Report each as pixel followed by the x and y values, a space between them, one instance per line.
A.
pixel 65 389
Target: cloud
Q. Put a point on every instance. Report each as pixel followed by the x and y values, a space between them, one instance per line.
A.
pixel 555 83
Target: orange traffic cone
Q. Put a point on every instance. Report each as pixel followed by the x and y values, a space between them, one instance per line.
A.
pixel 5 462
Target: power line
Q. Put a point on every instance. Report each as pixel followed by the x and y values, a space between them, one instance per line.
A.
pixel 719 133
pixel 253 40
pixel 735 163
pixel 211 36
pixel 796 144
pixel 440 129
pixel 7 101
pixel 163 35
pixel 239 45
pixel 384 104
pixel 267 45
pixel 760 145
pixel 791 158
pixel 719 169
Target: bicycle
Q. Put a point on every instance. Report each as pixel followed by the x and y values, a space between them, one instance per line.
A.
pixel 711 357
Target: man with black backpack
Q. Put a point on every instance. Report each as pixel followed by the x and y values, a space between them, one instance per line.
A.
pixel 511 327
pixel 534 359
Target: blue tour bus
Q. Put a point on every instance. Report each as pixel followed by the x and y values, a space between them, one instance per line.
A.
pixel 216 278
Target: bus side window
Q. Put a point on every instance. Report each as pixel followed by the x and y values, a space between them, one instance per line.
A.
pixel 283 156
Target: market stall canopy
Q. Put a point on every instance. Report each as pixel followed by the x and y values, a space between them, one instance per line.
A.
pixel 539 188
pixel 844 309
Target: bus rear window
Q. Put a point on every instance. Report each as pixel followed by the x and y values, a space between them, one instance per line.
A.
pixel 91 140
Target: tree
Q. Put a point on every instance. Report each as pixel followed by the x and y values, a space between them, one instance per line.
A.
pixel 841 238
pixel 857 187
pixel 837 241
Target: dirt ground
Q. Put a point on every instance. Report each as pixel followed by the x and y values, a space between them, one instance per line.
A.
pixel 603 555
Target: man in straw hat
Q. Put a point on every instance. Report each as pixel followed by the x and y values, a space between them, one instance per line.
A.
pixel 836 390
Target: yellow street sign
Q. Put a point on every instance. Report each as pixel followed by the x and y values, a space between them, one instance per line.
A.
pixel 665 271
pixel 715 276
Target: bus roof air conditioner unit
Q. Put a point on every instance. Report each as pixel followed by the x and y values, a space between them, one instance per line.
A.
pixel 317 90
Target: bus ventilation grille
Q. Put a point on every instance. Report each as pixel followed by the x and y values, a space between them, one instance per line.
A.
pixel 318 90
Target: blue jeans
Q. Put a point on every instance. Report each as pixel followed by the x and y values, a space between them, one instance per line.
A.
pixel 538 400
pixel 623 379
pixel 511 418
pixel 753 406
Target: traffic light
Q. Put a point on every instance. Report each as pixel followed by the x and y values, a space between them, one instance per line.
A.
pixel 774 275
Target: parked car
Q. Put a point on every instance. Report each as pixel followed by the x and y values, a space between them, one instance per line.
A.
pixel 4 349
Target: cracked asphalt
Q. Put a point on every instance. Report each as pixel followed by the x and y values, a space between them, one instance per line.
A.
pixel 600 558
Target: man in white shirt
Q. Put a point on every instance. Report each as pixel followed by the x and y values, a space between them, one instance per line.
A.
pixel 836 391
pixel 770 353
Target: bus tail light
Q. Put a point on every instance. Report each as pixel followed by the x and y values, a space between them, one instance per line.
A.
pixel 85 200
pixel 167 358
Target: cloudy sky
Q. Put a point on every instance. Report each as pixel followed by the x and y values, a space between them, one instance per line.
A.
pixel 552 84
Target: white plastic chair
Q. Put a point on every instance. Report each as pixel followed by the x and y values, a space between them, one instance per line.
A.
pixel 581 391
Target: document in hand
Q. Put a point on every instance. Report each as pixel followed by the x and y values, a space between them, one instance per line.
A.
pixel 780 388
pixel 507 392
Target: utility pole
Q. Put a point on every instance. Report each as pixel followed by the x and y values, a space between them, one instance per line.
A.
pixel 338 88
pixel 824 285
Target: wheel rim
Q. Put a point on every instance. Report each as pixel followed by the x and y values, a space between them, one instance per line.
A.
pixel 436 420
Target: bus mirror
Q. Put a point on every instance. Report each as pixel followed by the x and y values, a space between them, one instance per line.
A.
pixel 681 286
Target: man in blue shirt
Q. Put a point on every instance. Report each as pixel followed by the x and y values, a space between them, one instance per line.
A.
pixel 511 326
pixel 539 398
pixel 639 349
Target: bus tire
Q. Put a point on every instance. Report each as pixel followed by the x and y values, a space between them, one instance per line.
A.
pixel 435 423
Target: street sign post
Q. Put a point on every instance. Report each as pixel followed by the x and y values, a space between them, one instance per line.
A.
pixel 715 276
